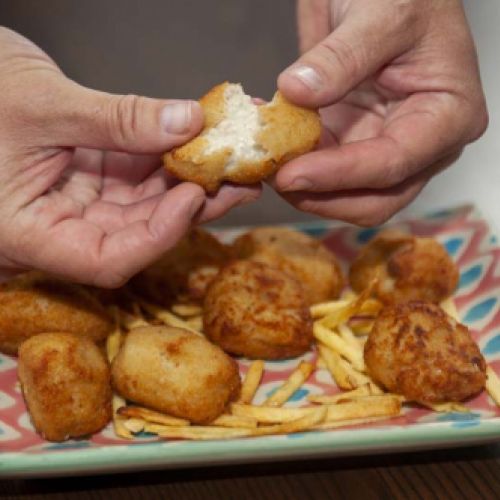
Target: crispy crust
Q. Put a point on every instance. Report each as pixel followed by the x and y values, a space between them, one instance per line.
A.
pixel 183 273
pixel 417 350
pixel 297 254
pixel 66 385
pixel 177 372
pixel 252 309
pixel 406 267
pixel 288 131
pixel 34 303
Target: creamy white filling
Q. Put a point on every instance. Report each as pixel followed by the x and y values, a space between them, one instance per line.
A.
pixel 237 130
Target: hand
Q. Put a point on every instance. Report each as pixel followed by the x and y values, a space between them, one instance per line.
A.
pixel 74 201
pixel 398 85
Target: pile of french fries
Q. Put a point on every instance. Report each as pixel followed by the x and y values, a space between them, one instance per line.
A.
pixel 341 328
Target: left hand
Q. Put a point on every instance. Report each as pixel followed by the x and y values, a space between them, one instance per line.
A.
pixel 400 96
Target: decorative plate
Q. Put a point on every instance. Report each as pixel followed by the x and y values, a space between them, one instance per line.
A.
pixel 471 243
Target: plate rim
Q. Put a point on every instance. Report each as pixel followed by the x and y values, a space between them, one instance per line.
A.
pixel 157 454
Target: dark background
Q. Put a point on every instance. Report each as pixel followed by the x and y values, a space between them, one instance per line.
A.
pixel 168 48
pixel 181 48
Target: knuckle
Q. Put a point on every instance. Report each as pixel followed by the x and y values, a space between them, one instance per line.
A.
pixel 337 52
pixel 123 115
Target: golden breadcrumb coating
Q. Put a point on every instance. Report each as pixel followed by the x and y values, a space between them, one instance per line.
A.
pixel 406 267
pixel 176 372
pixel 284 132
pixel 66 385
pixel 255 310
pixel 417 350
pixel 183 273
pixel 297 254
pixel 34 303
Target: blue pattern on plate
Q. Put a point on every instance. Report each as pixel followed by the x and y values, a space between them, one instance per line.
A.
pixel 481 310
pixel 453 245
pixel 315 231
pixel 296 396
pixel 471 275
pixel 366 235
pixel 492 346
pixel 460 420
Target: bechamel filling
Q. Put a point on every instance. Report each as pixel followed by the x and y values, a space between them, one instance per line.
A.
pixel 237 130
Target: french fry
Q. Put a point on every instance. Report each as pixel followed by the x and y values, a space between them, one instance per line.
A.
pixel 493 385
pixel 361 326
pixel 118 421
pixel 325 308
pixel 114 340
pixel 448 407
pixel 362 390
pixel 338 369
pixel 369 406
pixel 301 424
pixel 270 415
pixel 355 421
pixel 200 433
pixel 196 323
pixel 234 421
pixel 251 382
pixel 342 314
pixel 134 425
pixel 130 322
pixel 187 310
pixel 339 345
pixel 151 416
pixel 346 333
pixel 294 381
pixel 449 307
pixel 320 363
pixel 364 407
pixel 167 317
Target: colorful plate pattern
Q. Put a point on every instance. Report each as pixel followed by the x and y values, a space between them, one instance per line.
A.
pixel 468 239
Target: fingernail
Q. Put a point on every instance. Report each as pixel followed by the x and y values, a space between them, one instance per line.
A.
pixel 299 184
pixel 176 117
pixel 308 76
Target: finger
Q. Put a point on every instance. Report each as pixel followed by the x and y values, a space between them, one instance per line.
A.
pixel 78 116
pixel 356 49
pixel 228 196
pixel 312 22
pixel 88 255
pixel 423 131
pixel 367 207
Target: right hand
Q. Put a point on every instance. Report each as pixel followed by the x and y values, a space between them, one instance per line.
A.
pixel 83 194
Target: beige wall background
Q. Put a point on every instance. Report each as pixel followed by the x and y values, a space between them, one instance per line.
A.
pixel 180 48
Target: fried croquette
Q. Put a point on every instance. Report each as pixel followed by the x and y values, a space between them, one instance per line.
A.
pixel 34 303
pixel 417 350
pixel 176 372
pixel 404 268
pixel 258 311
pixel 66 385
pixel 242 142
pixel 297 254
pixel 183 273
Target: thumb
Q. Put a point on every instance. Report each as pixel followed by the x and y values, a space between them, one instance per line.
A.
pixel 363 42
pixel 88 118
